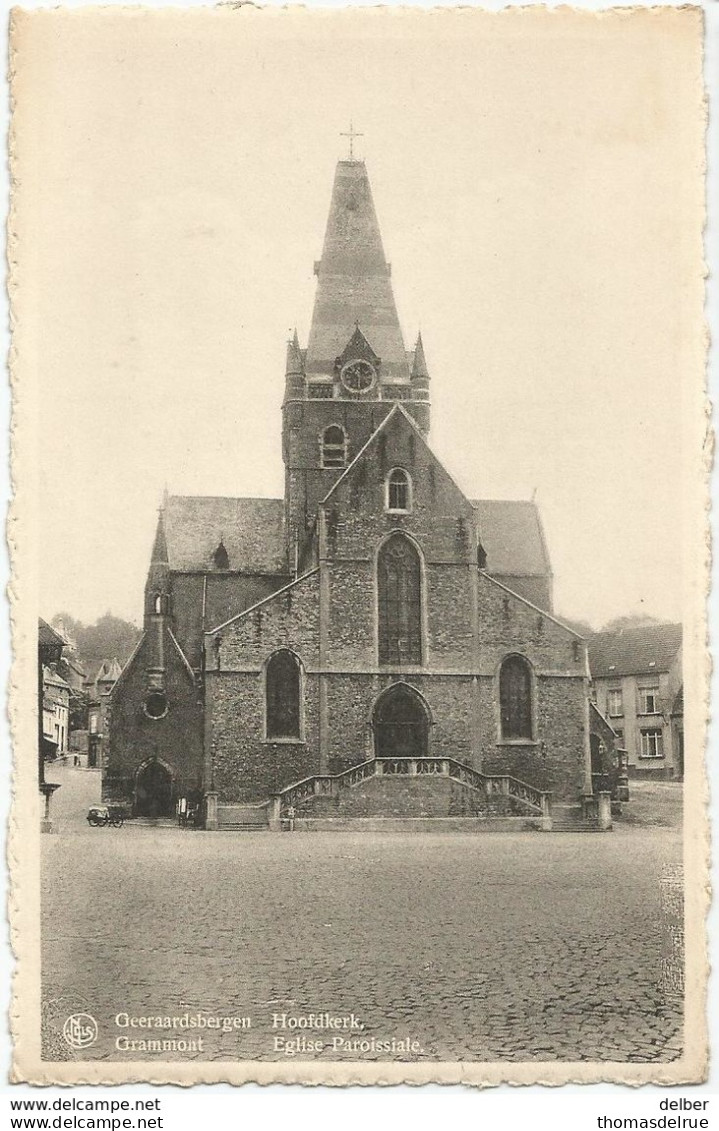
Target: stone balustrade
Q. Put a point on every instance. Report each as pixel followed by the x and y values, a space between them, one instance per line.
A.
pixel 533 801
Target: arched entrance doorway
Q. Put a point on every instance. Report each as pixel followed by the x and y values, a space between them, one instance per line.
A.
pixel 153 791
pixel 401 724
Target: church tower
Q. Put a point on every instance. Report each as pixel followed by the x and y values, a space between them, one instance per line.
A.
pixel 355 368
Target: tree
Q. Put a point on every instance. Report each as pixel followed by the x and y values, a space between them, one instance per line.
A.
pixel 583 627
pixel 79 701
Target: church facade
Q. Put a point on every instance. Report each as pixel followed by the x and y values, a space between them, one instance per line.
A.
pixel 376 612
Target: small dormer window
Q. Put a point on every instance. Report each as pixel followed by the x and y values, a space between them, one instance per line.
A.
pixel 399 491
pixel 334 447
pixel 221 557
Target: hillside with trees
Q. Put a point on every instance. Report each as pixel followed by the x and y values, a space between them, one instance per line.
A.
pixel 109 637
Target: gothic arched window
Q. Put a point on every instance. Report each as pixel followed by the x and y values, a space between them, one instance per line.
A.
pixel 334 447
pixel 515 698
pixel 399 592
pixel 399 490
pixel 282 695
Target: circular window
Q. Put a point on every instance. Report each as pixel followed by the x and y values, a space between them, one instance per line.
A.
pixel 358 376
pixel 156 705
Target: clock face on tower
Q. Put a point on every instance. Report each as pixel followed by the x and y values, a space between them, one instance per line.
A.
pixel 358 376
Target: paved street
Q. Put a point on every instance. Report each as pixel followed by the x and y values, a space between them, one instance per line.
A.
pixel 518 946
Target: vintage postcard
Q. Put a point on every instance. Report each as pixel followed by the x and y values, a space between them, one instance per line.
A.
pixel 359 542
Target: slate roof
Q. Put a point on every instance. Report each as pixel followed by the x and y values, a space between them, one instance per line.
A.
pixel 48 635
pixel 109 671
pixel 511 533
pixel 52 679
pixel 252 531
pixel 646 649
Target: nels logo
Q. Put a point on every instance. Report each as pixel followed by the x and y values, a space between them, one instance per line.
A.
pixel 80 1030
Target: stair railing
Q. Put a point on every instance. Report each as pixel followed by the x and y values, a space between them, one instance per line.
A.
pixel 536 801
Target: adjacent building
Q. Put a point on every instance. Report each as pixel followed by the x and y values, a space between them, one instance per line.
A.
pixel 637 684
pixel 98 712
pixel 53 697
pixel 55 714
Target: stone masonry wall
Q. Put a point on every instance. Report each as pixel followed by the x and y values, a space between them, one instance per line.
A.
pixel 289 620
pixel 459 677
pixel 224 594
pixel 247 767
pixel 556 758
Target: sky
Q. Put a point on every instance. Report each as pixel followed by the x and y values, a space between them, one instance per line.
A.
pixel 537 187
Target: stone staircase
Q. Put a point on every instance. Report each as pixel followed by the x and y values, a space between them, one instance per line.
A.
pixel 417 794
pixel 244 818
pixel 569 819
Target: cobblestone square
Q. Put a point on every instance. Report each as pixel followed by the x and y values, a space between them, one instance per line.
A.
pixel 515 946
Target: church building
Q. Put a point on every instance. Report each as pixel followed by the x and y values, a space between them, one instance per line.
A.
pixel 375 643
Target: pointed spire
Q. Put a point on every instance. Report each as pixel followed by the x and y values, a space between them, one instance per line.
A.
pixel 419 363
pixel 159 548
pixel 157 589
pixel 353 281
pixel 294 366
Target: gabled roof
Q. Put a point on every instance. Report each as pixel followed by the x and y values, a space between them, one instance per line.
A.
pixel 52 679
pixel 109 671
pixel 48 635
pixel 252 531
pixel 357 347
pixel 265 601
pixel 129 663
pixel 511 533
pixel 530 604
pixel 644 650
pixel 397 409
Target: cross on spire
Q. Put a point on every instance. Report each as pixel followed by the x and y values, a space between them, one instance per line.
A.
pixel 351 134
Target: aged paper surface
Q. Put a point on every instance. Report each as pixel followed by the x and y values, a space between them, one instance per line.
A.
pixel 347 808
